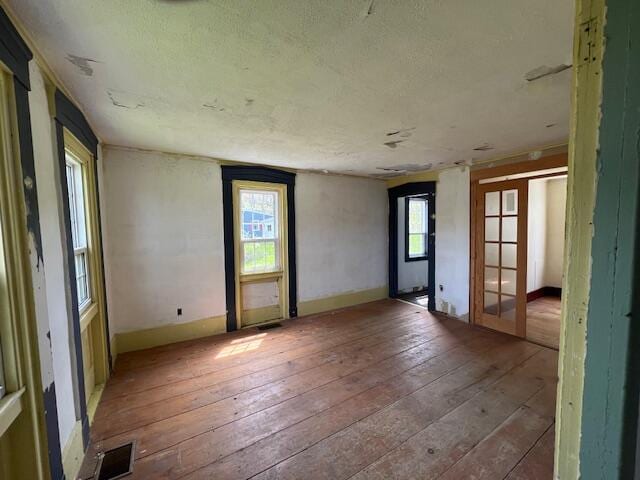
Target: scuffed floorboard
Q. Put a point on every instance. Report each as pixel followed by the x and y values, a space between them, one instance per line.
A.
pixel 381 390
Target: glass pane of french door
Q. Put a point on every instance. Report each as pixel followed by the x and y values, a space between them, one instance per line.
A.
pixel 500 244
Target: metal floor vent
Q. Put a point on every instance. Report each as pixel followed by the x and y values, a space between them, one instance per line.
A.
pixel 269 326
pixel 115 463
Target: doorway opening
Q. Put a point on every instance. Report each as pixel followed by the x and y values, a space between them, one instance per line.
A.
pixel 518 222
pixel 412 243
pixel 259 243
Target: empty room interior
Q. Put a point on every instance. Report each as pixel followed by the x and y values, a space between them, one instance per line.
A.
pixel 319 239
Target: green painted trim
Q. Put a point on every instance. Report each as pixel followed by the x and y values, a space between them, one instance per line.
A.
pixel 326 304
pixel 154 337
pixel 73 452
pixel 260 315
pixel 10 408
pixel 583 144
pixel 610 398
pixel 94 400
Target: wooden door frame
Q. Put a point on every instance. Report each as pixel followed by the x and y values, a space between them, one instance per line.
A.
pixel 521 256
pixel 265 175
pixel 427 189
pixel 484 173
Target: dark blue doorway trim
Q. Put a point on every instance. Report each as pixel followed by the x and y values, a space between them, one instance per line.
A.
pixel 256 174
pixel 427 190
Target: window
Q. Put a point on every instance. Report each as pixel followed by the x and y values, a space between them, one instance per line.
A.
pixel 259 234
pixel 416 229
pixel 75 189
pixel 3 389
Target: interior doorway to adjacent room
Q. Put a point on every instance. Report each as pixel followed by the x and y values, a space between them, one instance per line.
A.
pixel 518 224
pixel 412 243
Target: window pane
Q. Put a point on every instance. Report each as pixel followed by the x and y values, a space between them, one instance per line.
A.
pixel 491 279
pixel 258 214
pixel 490 303
pixel 510 202
pixel 417 215
pixel 259 233
pixel 507 307
pixel 492 203
pixel 259 257
pixel 416 245
pixel 82 279
pixel 508 281
pixel 491 228
pixel 491 254
pixel 509 229
pixel 509 255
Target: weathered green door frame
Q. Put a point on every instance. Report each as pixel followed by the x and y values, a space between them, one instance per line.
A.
pixel 597 421
pixel 610 398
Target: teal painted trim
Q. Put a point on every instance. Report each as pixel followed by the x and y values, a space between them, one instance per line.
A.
pixel 610 399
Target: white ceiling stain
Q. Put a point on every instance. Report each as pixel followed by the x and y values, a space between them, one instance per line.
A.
pixel 326 84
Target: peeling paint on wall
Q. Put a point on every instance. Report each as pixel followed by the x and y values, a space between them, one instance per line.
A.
pixel 83 64
pixel 544 71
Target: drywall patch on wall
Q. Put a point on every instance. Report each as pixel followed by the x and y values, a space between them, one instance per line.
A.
pixel 49 191
pixel 163 237
pixel 452 242
pixel 341 228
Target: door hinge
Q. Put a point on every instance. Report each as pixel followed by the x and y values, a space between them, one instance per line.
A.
pixel 588 48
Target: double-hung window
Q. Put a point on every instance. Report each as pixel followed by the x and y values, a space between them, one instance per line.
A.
pixel 259 232
pixel 75 189
pixel 416 228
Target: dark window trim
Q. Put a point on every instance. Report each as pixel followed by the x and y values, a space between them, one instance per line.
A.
pixel 16 55
pixel 70 117
pixel 408 258
pixel 412 189
pixel 14 52
pixel 256 174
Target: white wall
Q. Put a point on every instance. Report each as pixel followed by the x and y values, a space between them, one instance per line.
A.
pixel 164 238
pixel 546 222
pixel 53 245
pixel 537 234
pixel 452 242
pixel 556 207
pixel 410 274
pixel 342 235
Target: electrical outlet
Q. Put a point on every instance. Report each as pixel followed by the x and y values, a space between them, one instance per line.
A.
pixel 441 288
pixel 179 311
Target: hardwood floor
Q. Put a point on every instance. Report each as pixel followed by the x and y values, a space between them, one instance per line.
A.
pixel 543 321
pixel 381 390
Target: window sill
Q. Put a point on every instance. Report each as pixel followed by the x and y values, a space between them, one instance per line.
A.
pixel 416 259
pixel 10 408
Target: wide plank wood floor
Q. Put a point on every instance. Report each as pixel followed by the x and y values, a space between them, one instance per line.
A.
pixel 543 321
pixel 381 390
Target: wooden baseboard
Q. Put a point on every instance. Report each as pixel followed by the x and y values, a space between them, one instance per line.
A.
pixel 73 452
pixel 327 304
pixel 544 292
pixel 166 334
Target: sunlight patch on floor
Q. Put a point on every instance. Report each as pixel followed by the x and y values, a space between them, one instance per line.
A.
pixel 242 345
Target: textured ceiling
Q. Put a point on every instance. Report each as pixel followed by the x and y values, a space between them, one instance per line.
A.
pixel 348 86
